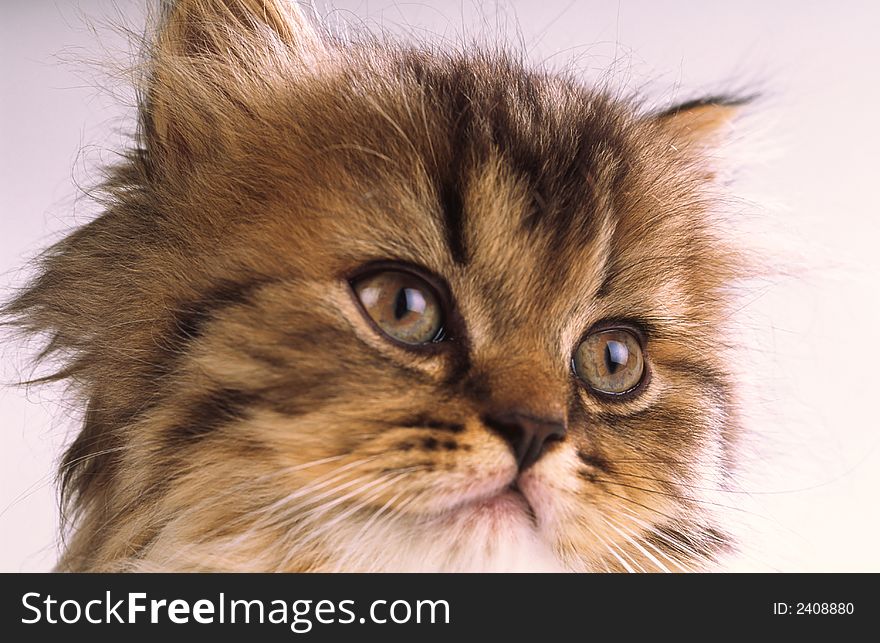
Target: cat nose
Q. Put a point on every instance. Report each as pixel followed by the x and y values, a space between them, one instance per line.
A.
pixel 527 435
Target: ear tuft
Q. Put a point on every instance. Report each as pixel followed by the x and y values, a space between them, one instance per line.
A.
pixel 208 60
pixel 208 27
pixel 703 121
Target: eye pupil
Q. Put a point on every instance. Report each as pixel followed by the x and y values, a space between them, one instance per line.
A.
pixel 401 304
pixel 616 356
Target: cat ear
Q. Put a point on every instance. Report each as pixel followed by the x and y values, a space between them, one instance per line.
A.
pixel 211 57
pixel 210 27
pixel 702 122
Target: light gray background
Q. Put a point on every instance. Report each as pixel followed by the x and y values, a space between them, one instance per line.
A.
pixel 814 469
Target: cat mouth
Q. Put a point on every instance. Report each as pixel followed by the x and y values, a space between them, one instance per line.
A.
pixel 509 502
pixel 513 488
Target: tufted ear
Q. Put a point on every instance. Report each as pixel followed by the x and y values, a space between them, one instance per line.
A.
pixel 702 122
pixel 209 59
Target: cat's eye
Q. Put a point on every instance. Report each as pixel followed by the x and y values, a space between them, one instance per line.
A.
pixel 610 361
pixel 404 306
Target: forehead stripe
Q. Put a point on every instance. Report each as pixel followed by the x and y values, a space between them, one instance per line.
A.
pixel 453 219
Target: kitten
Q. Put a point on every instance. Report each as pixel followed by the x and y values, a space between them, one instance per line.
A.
pixel 366 307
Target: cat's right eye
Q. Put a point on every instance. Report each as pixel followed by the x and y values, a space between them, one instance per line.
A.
pixel 402 305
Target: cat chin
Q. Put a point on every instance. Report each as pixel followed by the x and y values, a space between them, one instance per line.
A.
pixel 507 555
pixel 494 535
pixel 449 551
pixel 476 546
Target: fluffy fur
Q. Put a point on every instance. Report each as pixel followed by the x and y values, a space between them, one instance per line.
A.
pixel 242 414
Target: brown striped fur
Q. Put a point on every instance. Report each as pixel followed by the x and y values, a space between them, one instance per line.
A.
pixel 240 414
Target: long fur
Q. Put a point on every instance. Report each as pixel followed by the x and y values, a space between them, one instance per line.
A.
pixel 239 411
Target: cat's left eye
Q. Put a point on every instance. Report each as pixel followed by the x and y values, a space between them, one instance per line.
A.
pixel 402 305
pixel 610 361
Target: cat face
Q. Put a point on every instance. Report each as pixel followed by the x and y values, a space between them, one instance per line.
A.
pixel 368 308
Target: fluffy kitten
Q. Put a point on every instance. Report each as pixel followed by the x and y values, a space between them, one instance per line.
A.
pixel 359 306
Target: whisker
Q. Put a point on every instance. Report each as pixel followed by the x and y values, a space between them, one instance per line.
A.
pixel 299 543
pixel 270 520
pixel 667 494
pixel 676 544
pixel 378 486
pixel 48 479
pixel 643 506
pixel 633 540
pixel 338 500
pixel 267 516
pixel 611 551
pixel 374 518
pixel 318 483
pixel 649 529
